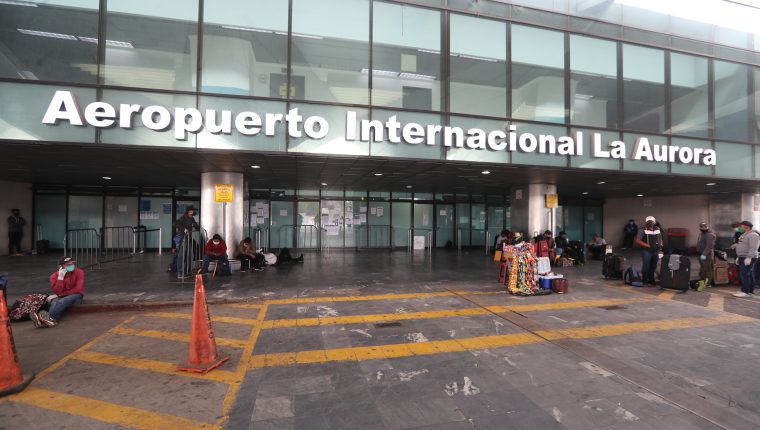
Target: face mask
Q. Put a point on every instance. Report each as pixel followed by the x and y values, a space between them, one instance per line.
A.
pixel 703 230
pixel 740 229
pixel 70 268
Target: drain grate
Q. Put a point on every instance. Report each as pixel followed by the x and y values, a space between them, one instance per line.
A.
pixel 388 324
pixel 612 307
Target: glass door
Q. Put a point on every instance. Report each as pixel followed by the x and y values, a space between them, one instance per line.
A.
pixel 156 212
pixel 281 230
pixel 423 220
pixel 379 228
pixel 401 222
pixel 445 225
pixel 307 225
pixel 496 220
pixel 50 215
pixel 259 224
pixel 478 217
pixel 332 221
pixel 463 223
pixel 356 224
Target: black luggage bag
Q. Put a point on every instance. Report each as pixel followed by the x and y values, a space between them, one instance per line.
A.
pixel 676 272
pixel 612 266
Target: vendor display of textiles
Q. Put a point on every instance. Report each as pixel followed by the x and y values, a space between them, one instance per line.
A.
pixel 523 271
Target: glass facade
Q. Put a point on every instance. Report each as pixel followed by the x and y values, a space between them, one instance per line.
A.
pixel 623 69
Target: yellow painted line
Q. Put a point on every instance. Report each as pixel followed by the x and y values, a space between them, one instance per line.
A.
pixel 716 302
pixel 178 315
pixel 175 336
pixel 223 376
pixel 667 295
pixel 242 368
pixel 244 305
pixel 302 300
pixel 111 413
pixel 449 313
pixel 482 342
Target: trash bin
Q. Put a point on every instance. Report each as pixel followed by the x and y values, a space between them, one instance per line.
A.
pixel 677 241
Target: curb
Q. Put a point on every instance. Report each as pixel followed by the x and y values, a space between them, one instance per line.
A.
pixel 142 306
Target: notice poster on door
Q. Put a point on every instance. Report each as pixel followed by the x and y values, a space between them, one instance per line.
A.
pixel 362 218
pixel 259 220
pixel 332 230
pixel 442 212
pixel 283 212
pixel 373 211
pixel 363 209
pixel 425 219
pixel 419 242
pixel 167 208
pixel 379 212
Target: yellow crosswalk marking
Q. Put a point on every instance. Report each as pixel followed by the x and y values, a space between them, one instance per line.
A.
pixel 302 300
pixel 223 376
pixel 175 336
pixel 111 413
pixel 221 319
pixel 379 318
pixel 716 302
pixel 667 295
pixel 482 342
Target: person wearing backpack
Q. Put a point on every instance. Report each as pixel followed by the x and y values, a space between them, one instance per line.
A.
pixel 706 250
pixel 650 241
pixel 746 257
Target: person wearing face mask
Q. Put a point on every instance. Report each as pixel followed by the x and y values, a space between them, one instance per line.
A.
pixel 706 248
pixel 15 233
pixel 746 257
pixel 650 241
pixel 68 285
pixel 216 250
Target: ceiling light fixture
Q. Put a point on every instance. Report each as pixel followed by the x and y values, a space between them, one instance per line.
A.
pixel 255 166
pixel 408 186
pixel 235 27
pixel 114 43
pixel 378 174
pixel 600 183
pixel 46 34
pixel 17 3
pixel 710 184
pixel 639 195
pixel 585 193
pixel 486 172
pixel 324 184
pixel 107 178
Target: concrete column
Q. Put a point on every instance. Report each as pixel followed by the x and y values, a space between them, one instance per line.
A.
pixel 528 207
pixel 220 218
pixel 750 202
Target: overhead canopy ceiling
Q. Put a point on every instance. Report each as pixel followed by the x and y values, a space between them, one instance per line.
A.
pixel 129 166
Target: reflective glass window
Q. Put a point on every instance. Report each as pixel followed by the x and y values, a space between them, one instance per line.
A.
pixel 245 47
pixel 643 165
pixel 478 66
pixel 152 44
pixel 466 153
pixel 587 160
pixel 419 149
pixel 538 83
pixel 734 160
pixel 593 82
pixel 406 57
pixel 756 78
pixel 689 94
pixel 234 139
pixel 643 88
pixel 334 141
pixel 537 158
pixel 330 50
pixel 692 169
pixel 56 41
pixel 731 101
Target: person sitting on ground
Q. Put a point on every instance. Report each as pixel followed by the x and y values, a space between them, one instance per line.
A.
pixel 285 257
pixel 597 246
pixel 68 285
pixel 561 243
pixel 216 250
pixel 249 258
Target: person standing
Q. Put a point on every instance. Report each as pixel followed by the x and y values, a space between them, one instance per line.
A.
pixel 746 257
pixel 186 224
pixel 650 240
pixel 706 248
pixel 15 232
pixel 629 234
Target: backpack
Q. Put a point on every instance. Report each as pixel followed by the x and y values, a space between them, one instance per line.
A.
pixel 542 248
pixel 631 276
pixel 284 256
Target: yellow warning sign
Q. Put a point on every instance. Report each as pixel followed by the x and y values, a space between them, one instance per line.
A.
pixel 552 201
pixel 224 193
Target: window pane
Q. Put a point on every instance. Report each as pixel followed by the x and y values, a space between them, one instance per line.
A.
pixel 236 140
pixel 593 82
pixel 536 158
pixel 406 57
pixel 644 88
pixel 49 42
pixel 330 50
pixel 693 169
pixel 689 92
pixel 252 35
pixel 478 66
pixel 162 50
pixel 468 154
pixel 538 84
pixel 731 110
pixel 386 148
pixel 734 160
pixel 587 160
pixel 335 141
pixel 643 165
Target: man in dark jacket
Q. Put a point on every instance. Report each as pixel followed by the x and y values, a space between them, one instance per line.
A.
pixel 629 234
pixel 15 232
pixel 185 226
pixel 706 248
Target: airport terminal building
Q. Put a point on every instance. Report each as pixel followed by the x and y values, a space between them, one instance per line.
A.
pixel 364 123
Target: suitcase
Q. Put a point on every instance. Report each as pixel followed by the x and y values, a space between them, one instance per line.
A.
pixel 675 279
pixel 42 247
pixel 560 285
pixel 612 266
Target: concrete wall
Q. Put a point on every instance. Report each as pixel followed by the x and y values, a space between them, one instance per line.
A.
pixel 15 195
pixel 670 211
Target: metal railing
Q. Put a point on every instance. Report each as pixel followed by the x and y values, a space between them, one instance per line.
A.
pixel 486 236
pixel 82 244
pixel 459 240
pixel 373 236
pixel 428 239
pixel 260 237
pixel 142 238
pixel 190 252
pixel 312 237
pixel 118 243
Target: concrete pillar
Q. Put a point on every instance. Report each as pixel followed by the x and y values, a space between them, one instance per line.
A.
pixel 225 219
pixel 751 209
pixel 528 209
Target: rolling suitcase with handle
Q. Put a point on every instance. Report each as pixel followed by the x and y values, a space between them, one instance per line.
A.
pixel 676 272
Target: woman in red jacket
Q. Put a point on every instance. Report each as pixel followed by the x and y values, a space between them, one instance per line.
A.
pixel 68 284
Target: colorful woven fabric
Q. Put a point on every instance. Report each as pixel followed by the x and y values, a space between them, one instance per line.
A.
pixel 26 305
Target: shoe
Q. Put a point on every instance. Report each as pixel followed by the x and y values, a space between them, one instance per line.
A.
pixel 36 320
pixel 741 294
pixel 259 269
pixel 45 318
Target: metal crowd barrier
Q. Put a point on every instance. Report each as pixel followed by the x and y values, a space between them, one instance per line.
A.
pixel 459 240
pixel 118 243
pixel 82 244
pixel 142 239
pixel 323 244
pixel 260 236
pixel 486 236
pixel 312 236
pixel 190 253
pixel 428 239
pixel 374 236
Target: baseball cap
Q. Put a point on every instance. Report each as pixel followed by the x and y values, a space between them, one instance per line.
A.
pixel 650 218
pixel 747 223
pixel 702 224
pixel 66 260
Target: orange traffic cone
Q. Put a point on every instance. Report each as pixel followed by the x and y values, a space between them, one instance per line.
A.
pixel 11 378
pixel 203 354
